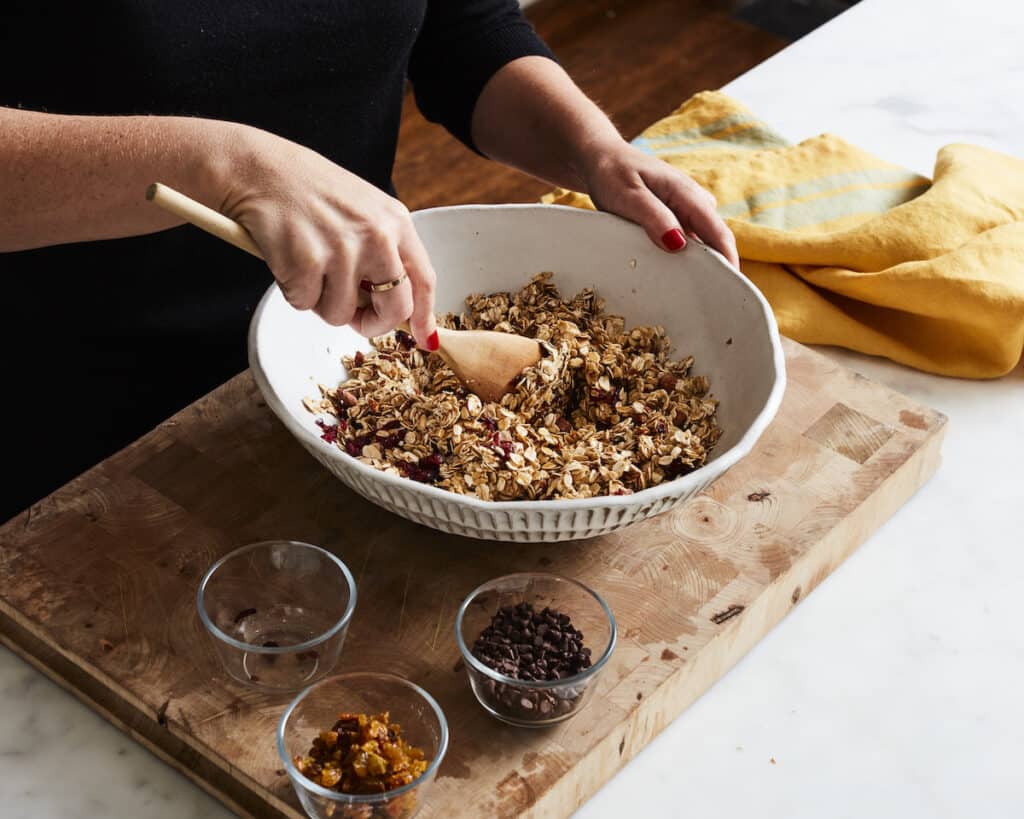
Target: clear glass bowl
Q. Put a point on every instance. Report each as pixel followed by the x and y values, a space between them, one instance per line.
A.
pixel 316 709
pixel 535 703
pixel 277 613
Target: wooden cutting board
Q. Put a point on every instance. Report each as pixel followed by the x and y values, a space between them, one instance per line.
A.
pixel 98 582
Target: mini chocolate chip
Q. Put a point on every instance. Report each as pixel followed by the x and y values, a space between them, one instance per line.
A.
pixel 524 644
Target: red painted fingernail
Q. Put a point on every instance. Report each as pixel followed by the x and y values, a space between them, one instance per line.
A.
pixel 674 239
pixel 366 284
pixel 433 342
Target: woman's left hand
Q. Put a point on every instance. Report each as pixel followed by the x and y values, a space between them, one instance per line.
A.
pixel 532 116
pixel 664 201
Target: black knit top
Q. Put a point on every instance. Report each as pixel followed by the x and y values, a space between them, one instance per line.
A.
pixel 123 333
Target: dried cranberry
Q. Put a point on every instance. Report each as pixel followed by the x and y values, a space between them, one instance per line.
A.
pixel 405 341
pixel 329 432
pixel 355 446
pixel 340 407
pixel 358 358
pixel 677 468
pixel 431 461
pixel 490 423
pixel 416 473
pixel 502 448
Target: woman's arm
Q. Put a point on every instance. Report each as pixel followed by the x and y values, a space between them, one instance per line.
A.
pixel 532 116
pixel 74 178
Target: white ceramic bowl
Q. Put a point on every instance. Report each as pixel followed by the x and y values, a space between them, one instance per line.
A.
pixel 708 308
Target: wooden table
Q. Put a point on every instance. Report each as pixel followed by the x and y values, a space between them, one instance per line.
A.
pixel 98 581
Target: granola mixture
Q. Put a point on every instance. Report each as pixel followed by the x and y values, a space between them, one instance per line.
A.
pixel 606 411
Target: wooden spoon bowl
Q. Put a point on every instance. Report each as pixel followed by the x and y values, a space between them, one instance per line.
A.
pixel 486 362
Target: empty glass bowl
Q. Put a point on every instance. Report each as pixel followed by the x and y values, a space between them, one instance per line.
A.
pixel 277 613
pixel 317 708
pixel 535 703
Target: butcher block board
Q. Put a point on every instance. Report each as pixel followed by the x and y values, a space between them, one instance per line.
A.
pixel 98 583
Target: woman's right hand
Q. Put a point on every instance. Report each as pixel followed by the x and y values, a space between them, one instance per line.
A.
pixel 324 231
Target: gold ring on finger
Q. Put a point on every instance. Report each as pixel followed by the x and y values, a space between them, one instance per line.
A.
pixel 383 288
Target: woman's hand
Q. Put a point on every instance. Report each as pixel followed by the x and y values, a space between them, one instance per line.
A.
pixel 532 116
pixel 663 200
pixel 322 229
pixel 326 233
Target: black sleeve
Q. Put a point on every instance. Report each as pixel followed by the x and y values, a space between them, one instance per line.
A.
pixel 462 45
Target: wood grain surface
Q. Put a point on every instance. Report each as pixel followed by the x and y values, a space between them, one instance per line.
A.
pixel 98 583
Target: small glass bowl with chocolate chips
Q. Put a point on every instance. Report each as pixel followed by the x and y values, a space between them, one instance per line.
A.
pixel 533 644
pixel 277 613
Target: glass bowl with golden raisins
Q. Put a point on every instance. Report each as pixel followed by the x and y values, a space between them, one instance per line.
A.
pixel 362 745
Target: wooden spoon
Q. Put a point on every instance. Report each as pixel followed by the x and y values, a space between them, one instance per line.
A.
pixel 486 362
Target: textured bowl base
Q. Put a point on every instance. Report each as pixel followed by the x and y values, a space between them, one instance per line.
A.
pixel 510 526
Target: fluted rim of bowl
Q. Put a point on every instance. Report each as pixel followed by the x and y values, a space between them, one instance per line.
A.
pixel 251 648
pixel 297 776
pixel 576 679
pixel 678 486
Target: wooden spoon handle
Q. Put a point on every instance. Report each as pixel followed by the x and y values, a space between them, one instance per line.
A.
pixel 202 217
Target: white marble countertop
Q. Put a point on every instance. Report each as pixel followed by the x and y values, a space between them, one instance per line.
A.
pixel 894 690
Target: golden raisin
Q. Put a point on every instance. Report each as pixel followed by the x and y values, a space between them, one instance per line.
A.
pixel 364 754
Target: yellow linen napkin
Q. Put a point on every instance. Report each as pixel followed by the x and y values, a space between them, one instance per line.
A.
pixel 859 253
